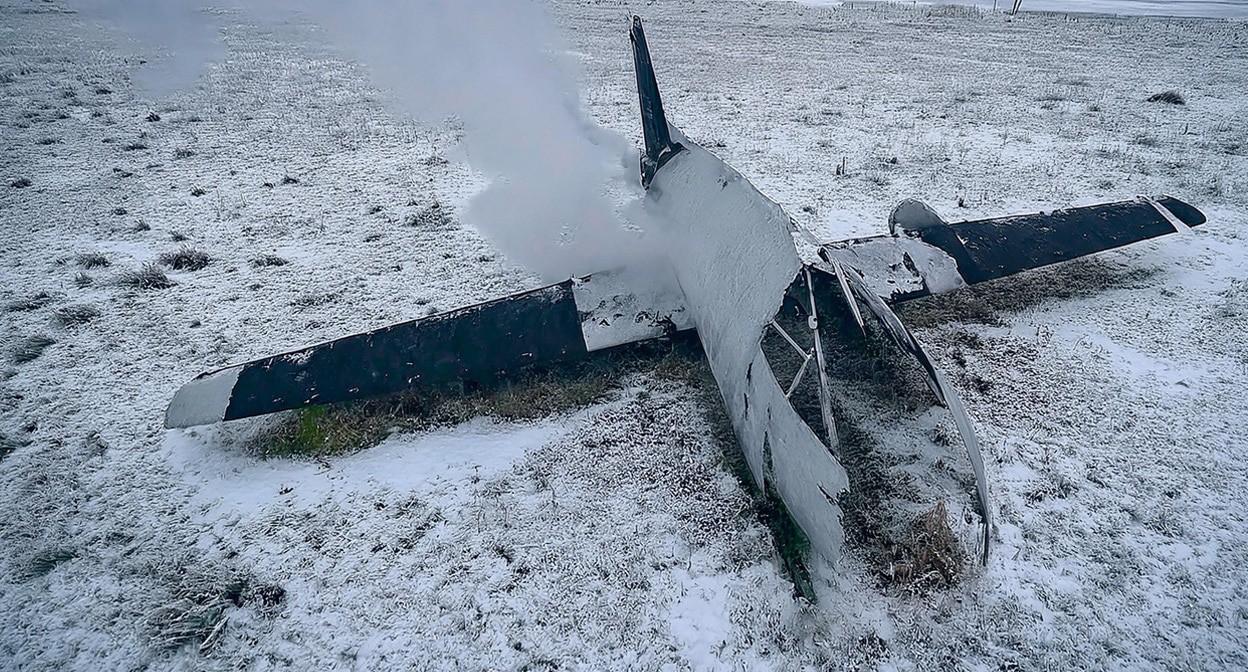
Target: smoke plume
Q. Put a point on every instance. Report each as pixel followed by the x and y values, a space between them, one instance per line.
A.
pixel 557 180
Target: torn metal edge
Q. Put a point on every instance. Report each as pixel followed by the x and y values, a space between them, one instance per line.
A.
pixel 945 393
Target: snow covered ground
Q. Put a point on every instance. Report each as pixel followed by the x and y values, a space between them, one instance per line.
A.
pixel 1224 9
pixel 1108 393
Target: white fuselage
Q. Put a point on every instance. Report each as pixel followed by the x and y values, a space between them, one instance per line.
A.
pixel 733 256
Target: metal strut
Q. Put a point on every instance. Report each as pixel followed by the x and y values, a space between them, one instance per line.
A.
pixel 825 391
pixel 805 355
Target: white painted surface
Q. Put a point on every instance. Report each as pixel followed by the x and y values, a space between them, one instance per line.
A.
pixel 203 400
pixel 619 307
pixel 733 256
pixel 881 261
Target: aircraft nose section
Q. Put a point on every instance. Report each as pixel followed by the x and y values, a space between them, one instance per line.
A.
pixel 858 378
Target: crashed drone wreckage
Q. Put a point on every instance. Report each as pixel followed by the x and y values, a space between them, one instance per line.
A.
pixel 737 278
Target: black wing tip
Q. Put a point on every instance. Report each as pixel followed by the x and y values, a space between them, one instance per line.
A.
pixel 1186 212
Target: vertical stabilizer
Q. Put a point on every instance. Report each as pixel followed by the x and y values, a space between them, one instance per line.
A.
pixel 659 146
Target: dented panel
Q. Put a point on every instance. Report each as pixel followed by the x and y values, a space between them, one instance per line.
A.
pixel 627 306
pixel 897 268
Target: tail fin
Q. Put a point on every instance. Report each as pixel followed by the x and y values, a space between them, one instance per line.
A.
pixel 659 145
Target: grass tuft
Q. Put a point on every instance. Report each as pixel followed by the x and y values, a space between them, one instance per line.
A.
pixel 930 555
pixel 20 183
pixel 197 616
pixel 1171 97
pixel 72 316
pixel 44 563
pixel 29 303
pixel 147 276
pixel 266 260
pixel 313 299
pixel 200 609
pixel 9 444
pixel 432 216
pixel 93 260
pixel 30 348
pixel 186 258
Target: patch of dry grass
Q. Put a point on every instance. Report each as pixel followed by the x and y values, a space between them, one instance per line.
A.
pixel 984 303
pixel 71 316
pixel 8 444
pixel 147 276
pixel 525 395
pixel 929 556
pixel 30 348
pixel 92 260
pixel 1171 97
pixel 266 260
pixel 186 258
pixel 28 303
pixel 433 216
pixel 201 606
pixel 44 563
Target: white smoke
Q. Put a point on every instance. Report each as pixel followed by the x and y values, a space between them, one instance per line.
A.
pixel 179 37
pixel 499 67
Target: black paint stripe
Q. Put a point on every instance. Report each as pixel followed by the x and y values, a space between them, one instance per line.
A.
pixel 474 343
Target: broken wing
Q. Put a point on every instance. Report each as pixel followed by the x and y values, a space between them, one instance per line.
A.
pixel 554 324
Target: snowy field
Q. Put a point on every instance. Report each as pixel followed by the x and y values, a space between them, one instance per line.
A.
pixel 1222 9
pixel 1108 394
pixel 1226 9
